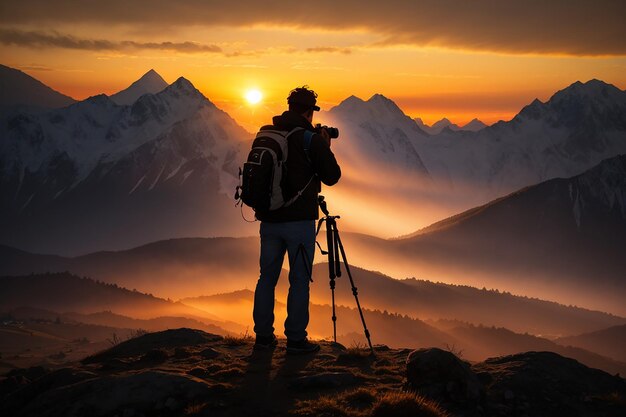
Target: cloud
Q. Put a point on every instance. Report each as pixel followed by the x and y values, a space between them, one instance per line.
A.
pixel 329 49
pixel 574 27
pixel 57 40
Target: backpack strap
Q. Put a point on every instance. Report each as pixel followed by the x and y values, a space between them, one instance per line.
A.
pixel 308 135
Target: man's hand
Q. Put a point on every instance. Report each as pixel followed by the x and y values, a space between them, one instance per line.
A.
pixel 326 137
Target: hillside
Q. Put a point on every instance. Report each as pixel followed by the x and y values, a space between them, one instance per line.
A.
pixel 64 293
pixel 474 342
pixel 185 371
pixel 608 342
pixel 180 268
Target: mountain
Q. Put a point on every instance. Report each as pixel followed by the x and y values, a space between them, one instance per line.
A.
pixel 20 89
pixel 378 160
pixel 474 125
pixel 442 124
pixel 574 130
pixel 562 239
pixel 99 175
pixel 609 342
pixel 149 83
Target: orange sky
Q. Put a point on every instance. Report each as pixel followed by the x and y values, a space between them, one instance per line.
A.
pixel 436 60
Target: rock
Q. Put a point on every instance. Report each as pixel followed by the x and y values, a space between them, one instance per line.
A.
pixel 112 394
pixel 171 403
pixel 181 353
pixel 325 380
pixel 209 353
pixel 440 375
pixel 198 372
pixel 547 384
pixel 155 356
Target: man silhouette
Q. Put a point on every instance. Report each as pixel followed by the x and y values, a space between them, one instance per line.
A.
pixel 291 229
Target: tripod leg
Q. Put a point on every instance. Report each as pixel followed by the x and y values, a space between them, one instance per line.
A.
pixel 330 242
pixel 355 291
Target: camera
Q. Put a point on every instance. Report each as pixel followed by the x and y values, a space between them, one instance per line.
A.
pixel 333 132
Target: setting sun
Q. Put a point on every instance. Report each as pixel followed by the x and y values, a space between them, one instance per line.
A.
pixel 253 96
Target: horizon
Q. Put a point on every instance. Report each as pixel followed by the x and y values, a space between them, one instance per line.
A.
pixel 485 62
pixel 251 127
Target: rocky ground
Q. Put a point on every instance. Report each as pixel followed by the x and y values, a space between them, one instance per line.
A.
pixel 186 372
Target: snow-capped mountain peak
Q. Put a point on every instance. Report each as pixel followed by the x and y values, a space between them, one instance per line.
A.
pixel 149 83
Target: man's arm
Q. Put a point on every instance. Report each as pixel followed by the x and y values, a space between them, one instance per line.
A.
pixel 323 160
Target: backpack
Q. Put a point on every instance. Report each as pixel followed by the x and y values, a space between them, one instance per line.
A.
pixel 262 178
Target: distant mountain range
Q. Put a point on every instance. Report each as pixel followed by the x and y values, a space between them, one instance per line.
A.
pixel 68 293
pixel 562 240
pixel 181 268
pixel 453 171
pixel 473 126
pixel 99 175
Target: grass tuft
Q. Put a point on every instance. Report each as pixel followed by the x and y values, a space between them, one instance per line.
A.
pixel 400 403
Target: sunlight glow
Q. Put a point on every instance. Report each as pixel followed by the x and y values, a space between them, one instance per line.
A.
pixel 253 96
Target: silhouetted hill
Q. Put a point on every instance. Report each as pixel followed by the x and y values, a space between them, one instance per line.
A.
pixel 180 268
pixel 64 292
pixel 20 89
pixel 609 342
pixel 474 342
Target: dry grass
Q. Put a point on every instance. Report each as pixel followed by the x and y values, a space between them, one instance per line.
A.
pixel 365 402
pixel 400 403
pixel 241 340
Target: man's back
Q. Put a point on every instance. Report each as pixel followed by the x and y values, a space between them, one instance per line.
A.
pixel 319 162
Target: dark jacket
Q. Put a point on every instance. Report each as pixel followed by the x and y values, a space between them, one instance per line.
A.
pixel 320 164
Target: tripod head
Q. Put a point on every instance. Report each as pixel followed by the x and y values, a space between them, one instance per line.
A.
pixel 321 201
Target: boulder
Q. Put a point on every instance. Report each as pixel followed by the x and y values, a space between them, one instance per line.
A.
pixel 440 375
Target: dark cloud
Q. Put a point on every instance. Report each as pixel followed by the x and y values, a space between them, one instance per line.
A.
pixel 57 40
pixel 577 27
pixel 329 49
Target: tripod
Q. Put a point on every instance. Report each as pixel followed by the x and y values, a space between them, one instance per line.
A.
pixel 334 250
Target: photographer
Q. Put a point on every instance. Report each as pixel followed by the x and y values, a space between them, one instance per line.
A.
pixel 291 229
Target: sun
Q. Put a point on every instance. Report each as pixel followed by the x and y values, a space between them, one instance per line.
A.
pixel 253 96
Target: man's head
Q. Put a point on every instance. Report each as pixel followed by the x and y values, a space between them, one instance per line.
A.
pixel 303 101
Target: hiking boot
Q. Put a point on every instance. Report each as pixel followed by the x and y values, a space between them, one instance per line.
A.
pixel 265 342
pixel 301 346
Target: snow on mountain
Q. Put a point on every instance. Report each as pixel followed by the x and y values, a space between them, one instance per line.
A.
pixel 20 89
pixel 151 82
pixel 376 131
pixel 107 175
pixel 456 170
pixel 573 131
